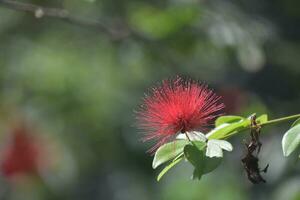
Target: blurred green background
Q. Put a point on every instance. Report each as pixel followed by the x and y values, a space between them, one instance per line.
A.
pixel 78 86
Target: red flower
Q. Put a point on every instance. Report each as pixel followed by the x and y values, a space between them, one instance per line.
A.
pixel 21 155
pixel 175 106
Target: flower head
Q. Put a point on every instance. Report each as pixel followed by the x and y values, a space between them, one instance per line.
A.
pixel 22 153
pixel 175 106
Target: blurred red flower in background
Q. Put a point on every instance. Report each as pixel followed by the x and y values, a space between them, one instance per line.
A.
pixel 177 105
pixel 23 153
pixel 234 98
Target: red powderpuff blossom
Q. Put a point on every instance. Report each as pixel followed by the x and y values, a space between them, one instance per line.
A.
pixel 175 106
pixel 21 155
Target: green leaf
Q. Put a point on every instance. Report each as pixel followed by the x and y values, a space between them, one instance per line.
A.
pixel 197 174
pixel 210 165
pixel 197 144
pixel 225 129
pixel 296 122
pixel 168 151
pixel 196 158
pixel 227 119
pixel 202 164
pixel 262 119
pixel 291 140
pixel 168 167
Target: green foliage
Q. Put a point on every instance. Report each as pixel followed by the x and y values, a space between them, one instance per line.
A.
pixel 291 140
pixel 168 151
pixel 158 23
pixel 194 152
pixel 205 152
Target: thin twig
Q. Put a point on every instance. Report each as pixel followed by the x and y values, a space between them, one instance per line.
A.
pixel 63 14
pixel 114 32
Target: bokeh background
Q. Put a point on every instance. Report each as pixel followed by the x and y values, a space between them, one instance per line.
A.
pixel 72 88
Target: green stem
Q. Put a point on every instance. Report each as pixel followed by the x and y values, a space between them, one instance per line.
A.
pixel 280 119
pixel 273 121
pixel 187 137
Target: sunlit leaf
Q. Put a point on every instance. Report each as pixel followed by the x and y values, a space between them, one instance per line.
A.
pixel 262 119
pixel 227 119
pixel 223 144
pixel 193 136
pixel 291 140
pixel 215 148
pixel 168 167
pixel 168 151
pixel 226 129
